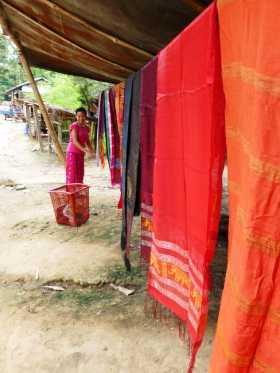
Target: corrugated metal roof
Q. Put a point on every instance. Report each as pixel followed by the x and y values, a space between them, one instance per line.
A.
pixel 20 86
pixel 100 39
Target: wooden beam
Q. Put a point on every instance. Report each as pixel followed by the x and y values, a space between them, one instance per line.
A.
pixel 196 5
pixel 106 35
pixel 5 25
pixel 85 66
pixel 68 41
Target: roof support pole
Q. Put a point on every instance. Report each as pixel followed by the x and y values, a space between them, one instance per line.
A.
pixel 5 25
pixel 43 109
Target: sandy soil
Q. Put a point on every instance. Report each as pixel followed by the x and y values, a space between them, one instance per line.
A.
pixel 89 327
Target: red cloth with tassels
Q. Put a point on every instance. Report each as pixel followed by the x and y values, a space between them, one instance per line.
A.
pixel 187 177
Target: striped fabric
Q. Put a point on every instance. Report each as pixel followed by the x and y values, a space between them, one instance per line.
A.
pixel 108 133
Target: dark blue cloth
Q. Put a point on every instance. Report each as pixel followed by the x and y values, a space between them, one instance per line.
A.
pixel 130 161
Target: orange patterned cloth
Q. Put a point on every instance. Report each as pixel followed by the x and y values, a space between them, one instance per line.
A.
pixel 248 331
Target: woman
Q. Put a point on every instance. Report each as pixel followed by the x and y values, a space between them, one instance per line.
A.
pixel 78 146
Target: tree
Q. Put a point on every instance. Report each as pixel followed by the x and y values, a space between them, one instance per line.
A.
pixel 11 72
pixel 62 91
pixel 89 89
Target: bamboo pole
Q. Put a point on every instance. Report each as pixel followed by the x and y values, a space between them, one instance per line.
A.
pixel 5 25
pixel 51 131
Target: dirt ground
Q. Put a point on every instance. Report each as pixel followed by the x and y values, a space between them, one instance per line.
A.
pixel 89 327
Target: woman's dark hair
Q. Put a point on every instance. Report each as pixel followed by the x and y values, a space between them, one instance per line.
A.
pixel 81 110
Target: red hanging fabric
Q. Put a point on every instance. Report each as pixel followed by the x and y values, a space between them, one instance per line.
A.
pixel 187 177
pixel 119 103
pixel 147 149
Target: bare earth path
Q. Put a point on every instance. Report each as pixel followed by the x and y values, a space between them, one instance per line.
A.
pixel 88 328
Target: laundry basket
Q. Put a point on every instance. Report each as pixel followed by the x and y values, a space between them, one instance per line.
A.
pixel 71 204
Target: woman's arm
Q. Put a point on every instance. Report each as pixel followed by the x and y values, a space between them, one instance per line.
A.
pixel 76 142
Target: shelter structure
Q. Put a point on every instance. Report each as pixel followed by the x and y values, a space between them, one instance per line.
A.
pixel 36 126
pixel 108 40
pixel 102 40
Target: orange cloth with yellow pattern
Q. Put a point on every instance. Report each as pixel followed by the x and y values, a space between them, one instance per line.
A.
pixel 248 331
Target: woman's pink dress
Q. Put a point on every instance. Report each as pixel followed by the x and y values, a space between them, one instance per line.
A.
pixel 74 156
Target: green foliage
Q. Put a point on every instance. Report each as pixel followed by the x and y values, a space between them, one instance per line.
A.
pixel 62 91
pixel 71 92
pixel 88 90
pixel 39 72
pixel 10 71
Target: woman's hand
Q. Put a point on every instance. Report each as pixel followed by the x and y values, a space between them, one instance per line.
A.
pixel 89 153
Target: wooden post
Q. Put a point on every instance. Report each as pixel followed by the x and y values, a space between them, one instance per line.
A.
pixel 37 126
pixel 49 144
pixel 28 118
pixel 5 25
pixel 59 130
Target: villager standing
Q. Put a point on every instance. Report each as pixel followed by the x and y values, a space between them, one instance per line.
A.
pixel 78 146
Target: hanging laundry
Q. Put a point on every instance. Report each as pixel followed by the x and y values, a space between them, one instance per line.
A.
pixel 130 163
pixel 147 141
pixel 108 138
pixel 187 177
pixel 125 145
pixel 119 103
pixel 100 141
pixel 115 162
pixel 108 134
pixel 248 331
